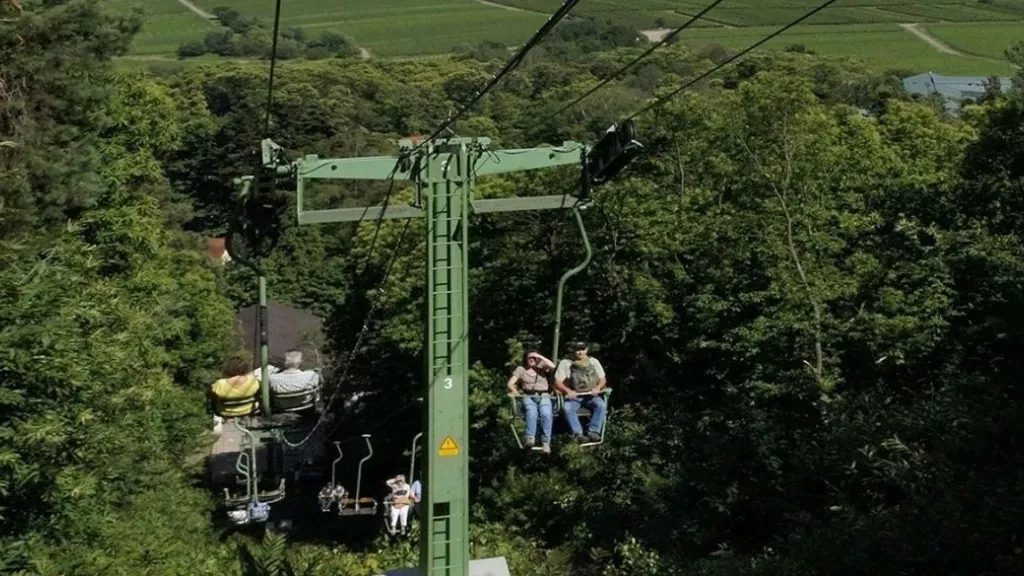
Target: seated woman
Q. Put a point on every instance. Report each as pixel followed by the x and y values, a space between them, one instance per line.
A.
pixel 401 498
pixel 532 377
pixel 234 395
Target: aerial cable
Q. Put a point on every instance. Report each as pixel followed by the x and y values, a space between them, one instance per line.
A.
pixel 384 207
pixel 380 287
pixel 379 424
pixel 740 54
pixel 668 38
pixel 378 292
pixel 273 66
pixel 514 61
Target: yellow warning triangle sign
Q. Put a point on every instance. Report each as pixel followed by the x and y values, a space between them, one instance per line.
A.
pixel 448 447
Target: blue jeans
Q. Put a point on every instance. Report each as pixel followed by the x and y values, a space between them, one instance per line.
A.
pixel 531 405
pixel 597 407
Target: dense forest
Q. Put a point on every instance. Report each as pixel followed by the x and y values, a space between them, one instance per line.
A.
pixel 805 293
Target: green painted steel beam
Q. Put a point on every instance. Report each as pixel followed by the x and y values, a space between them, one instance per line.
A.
pixel 505 161
pixel 444 542
pixel 369 214
pixel 370 168
pixel 520 204
pixel 372 213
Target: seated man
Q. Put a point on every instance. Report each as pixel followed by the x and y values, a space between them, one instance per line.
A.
pixel 338 495
pixel 584 375
pixel 401 500
pixel 417 496
pixel 292 379
pixel 327 497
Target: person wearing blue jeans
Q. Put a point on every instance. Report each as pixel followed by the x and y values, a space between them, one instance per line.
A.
pixel 581 380
pixel 530 379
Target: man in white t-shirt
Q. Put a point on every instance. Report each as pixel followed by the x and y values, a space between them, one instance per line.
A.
pixel 294 379
pixel 582 380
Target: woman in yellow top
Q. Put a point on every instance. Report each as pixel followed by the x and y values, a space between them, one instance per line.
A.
pixel 238 383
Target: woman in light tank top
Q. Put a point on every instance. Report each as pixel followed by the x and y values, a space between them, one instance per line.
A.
pixel 532 380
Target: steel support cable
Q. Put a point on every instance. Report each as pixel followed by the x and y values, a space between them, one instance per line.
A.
pixel 514 61
pixel 658 102
pixel 378 291
pixel 384 207
pixel 376 232
pixel 379 424
pixel 668 38
pixel 273 66
pixel 359 339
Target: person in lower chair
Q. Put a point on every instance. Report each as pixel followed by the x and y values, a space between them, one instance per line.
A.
pixel 326 497
pixel 417 496
pixel 531 379
pixel 581 380
pixel 401 501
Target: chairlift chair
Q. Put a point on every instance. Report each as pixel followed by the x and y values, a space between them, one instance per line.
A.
pixel 298 401
pixel 389 500
pixel 557 398
pixel 229 403
pixel 254 505
pixel 333 497
pixel 519 414
pixel 359 506
pixel 585 413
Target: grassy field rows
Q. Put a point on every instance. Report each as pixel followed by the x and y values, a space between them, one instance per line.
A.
pixel 884 46
pixel 767 12
pixel 864 29
pixel 398 27
pixel 168 24
pixel 979 39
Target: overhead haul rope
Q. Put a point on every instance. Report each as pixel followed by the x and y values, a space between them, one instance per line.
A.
pixel 380 287
pixel 658 102
pixel 513 62
pixel 273 65
pixel 378 292
pixel 668 38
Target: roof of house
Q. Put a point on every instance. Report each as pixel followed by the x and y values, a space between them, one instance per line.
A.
pixel 957 87
pixel 289 329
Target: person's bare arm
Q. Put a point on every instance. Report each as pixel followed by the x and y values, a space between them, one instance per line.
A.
pixel 601 380
pixel 511 385
pixel 544 362
pixel 562 388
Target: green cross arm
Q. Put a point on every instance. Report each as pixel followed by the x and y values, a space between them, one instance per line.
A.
pixel 485 163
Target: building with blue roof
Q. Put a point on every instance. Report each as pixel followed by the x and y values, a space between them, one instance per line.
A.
pixel 952 89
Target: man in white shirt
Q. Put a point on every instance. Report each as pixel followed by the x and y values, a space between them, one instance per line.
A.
pixel 581 380
pixel 292 379
pixel 417 497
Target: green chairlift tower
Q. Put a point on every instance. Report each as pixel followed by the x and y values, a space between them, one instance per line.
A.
pixel 443 171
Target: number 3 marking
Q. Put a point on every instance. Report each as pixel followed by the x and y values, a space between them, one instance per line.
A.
pixel 448 383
